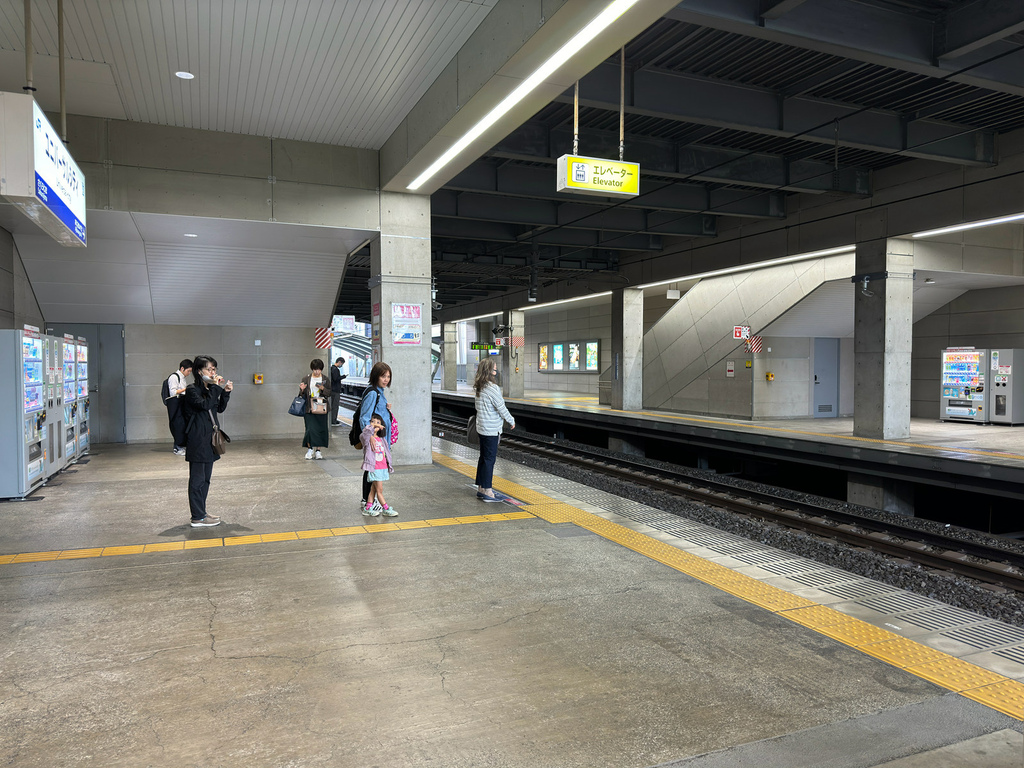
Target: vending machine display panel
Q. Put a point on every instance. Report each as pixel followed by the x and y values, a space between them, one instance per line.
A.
pixel 965 394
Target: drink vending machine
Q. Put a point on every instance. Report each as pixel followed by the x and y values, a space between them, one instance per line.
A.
pixel 82 369
pixel 53 402
pixel 1007 367
pixel 23 414
pixel 965 390
pixel 70 393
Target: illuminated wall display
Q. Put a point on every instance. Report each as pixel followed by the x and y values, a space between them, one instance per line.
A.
pixel 569 357
pixel 37 174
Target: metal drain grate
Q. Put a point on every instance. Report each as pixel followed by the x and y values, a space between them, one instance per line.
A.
pixel 857 589
pixel 1012 654
pixel 941 618
pixel 820 578
pixel 790 567
pixel 760 557
pixel 988 635
pixel 899 603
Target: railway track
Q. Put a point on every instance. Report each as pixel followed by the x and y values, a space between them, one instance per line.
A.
pixel 988 564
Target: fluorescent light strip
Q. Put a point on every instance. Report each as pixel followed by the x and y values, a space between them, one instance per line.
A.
pixel 971 225
pixel 528 307
pixel 584 36
pixel 478 317
pixel 752 267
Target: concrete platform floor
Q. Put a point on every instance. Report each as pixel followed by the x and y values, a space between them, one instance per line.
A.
pixel 456 640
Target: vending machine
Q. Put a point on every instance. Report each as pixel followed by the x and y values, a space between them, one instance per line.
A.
pixel 965 388
pixel 23 414
pixel 53 401
pixel 1007 371
pixel 82 392
pixel 70 394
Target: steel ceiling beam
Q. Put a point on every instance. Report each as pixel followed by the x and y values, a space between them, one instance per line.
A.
pixel 973 25
pixel 534 141
pixel 545 213
pixel 535 182
pixel 499 232
pixel 861 32
pixel 673 96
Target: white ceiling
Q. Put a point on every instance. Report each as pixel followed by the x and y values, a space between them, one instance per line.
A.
pixel 328 71
pixel 140 268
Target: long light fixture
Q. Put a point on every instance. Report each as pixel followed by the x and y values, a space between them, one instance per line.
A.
pixel 758 265
pixel 970 225
pixel 565 301
pixel 562 55
pixel 478 317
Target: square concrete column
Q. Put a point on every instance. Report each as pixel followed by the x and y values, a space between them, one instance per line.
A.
pixel 627 375
pixel 399 291
pixel 449 357
pixel 513 360
pixel 883 331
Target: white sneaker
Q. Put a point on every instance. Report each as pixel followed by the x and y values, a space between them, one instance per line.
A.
pixel 309 454
pixel 388 511
pixel 318 455
pixel 372 511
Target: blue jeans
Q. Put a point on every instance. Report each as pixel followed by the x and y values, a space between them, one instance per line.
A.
pixel 485 465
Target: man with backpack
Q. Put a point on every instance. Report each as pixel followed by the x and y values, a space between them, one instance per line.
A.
pixel 173 389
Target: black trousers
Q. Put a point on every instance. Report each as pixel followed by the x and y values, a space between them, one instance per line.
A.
pixel 176 421
pixel 199 475
pixel 367 485
pixel 335 404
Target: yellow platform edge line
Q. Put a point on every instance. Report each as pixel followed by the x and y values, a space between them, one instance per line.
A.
pixel 984 686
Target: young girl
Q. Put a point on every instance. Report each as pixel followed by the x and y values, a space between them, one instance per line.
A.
pixel 377 463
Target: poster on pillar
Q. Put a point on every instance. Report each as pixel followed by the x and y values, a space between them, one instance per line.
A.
pixel 406 325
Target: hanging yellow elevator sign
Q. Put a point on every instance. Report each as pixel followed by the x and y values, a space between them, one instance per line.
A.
pixel 596 176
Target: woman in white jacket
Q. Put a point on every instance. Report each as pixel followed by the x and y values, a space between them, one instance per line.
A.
pixel 491 414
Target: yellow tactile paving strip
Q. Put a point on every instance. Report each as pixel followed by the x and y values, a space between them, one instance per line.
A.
pixel 981 685
pixel 265 538
pixel 988 688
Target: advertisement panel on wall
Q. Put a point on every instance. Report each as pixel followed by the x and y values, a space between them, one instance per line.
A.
pixel 37 173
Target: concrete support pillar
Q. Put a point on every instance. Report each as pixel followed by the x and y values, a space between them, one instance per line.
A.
pixel 399 289
pixel 449 357
pixel 883 493
pixel 883 331
pixel 513 361
pixel 627 375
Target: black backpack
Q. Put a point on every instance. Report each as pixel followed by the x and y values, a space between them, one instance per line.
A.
pixel 355 434
pixel 165 393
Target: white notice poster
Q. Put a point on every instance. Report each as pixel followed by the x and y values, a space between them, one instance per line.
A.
pixel 407 324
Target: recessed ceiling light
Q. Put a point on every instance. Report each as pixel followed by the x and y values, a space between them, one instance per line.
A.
pixel 184 75
pixel 970 225
pixel 191 234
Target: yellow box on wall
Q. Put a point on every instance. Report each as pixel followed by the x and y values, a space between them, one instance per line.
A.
pixel 257 378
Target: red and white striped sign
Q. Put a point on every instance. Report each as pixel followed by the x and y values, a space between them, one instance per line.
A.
pixel 754 344
pixel 323 338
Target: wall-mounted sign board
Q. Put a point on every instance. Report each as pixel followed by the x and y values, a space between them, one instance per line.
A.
pixel 594 176
pixel 37 172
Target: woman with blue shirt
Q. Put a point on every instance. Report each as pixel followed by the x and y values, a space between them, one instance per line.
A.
pixel 374 401
pixel 491 414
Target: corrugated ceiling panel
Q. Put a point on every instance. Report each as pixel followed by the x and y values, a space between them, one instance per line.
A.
pixel 312 70
pixel 193 284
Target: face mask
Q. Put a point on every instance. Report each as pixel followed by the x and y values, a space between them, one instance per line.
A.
pixel 497 378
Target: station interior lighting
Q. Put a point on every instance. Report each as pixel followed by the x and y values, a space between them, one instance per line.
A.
pixel 752 267
pixel 970 225
pixel 565 301
pixel 477 317
pixel 603 20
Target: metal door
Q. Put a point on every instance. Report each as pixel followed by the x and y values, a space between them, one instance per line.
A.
pixel 826 378
pixel 106 378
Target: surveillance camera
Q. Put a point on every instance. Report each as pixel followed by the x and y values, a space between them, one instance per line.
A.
pixel 499 329
pixel 436 305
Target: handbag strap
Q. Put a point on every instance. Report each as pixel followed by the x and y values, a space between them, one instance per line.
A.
pixel 216 426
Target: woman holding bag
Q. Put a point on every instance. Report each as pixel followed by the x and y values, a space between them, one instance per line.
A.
pixel 491 414
pixel 375 402
pixel 316 389
pixel 204 399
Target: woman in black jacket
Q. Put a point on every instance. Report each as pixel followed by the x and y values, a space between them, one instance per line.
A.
pixel 204 399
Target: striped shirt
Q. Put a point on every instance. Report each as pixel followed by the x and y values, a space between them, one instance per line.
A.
pixel 491 411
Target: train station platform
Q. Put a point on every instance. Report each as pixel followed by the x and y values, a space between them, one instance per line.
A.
pixel 981 458
pixel 563 627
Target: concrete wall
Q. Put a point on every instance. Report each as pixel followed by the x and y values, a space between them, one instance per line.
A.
pixel 18 305
pixel 570 324
pixel 988 318
pixel 152 352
